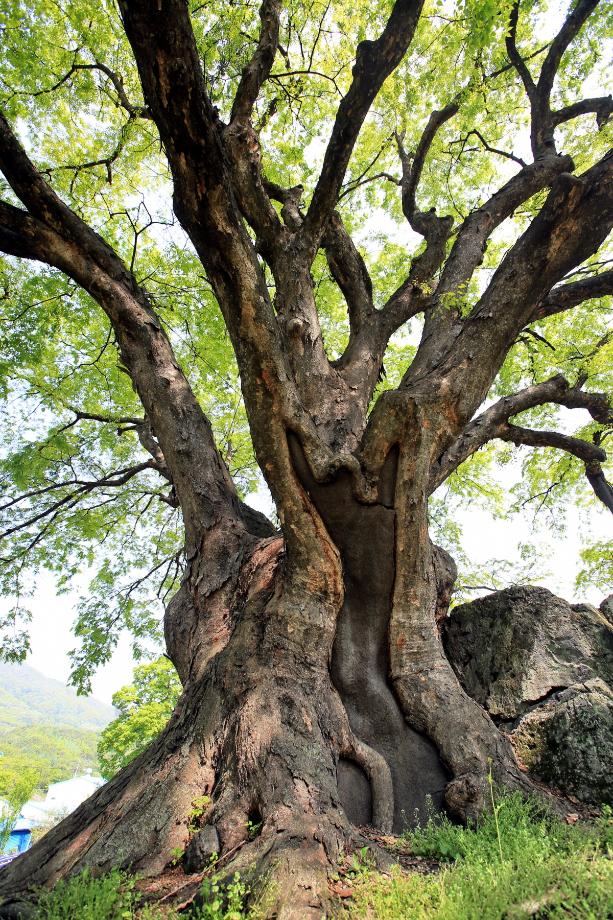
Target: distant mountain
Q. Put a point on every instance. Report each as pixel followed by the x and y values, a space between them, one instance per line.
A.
pixel 27 697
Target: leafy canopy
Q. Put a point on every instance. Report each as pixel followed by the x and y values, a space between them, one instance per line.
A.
pixel 69 414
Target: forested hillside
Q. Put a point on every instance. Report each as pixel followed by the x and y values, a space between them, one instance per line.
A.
pixel 46 730
pixel 27 696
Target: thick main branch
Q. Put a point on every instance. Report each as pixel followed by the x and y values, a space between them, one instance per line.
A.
pixel 52 233
pixel 494 420
pixel 571 226
pixel 375 61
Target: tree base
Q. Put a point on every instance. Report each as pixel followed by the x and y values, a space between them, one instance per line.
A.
pixel 271 735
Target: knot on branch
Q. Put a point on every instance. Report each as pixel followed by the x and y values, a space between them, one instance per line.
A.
pixel 295 326
pixel 243 131
pixel 365 58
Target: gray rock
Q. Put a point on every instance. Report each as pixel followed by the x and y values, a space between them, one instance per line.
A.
pixel 568 742
pixel 606 608
pixel 200 849
pixel 515 648
pixel 543 669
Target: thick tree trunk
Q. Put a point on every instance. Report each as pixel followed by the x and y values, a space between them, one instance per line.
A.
pixel 260 732
pixel 315 700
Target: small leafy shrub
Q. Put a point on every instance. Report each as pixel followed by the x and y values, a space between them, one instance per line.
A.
pixel 222 900
pixel 200 806
pixel 176 855
pixel 254 828
pixel 110 897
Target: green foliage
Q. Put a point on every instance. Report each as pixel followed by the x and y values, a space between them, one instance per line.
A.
pixel 514 820
pixel 144 709
pixel 547 869
pixel 110 897
pixel 114 897
pixel 597 568
pixel 565 871
pixel 254 828
pixel 46 731
pixel 46 753
pixel 222 900
pixel 15 795
pixel 200 806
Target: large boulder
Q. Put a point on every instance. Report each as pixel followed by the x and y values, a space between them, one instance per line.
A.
pixel 514 648
pixel 543 669
pixel 568 742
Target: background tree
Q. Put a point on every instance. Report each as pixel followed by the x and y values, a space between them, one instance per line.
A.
pixel 316 691
pixel 16 795
pixel 144 709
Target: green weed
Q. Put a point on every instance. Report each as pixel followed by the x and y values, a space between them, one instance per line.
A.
pixel 222 900
pixel 113 897
pixel 176 855
pixel 517 863
pixel 110 897
pixel 254 828
pixel 200 806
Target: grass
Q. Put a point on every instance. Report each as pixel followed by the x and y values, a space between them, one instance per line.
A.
pixel 518 863
pixel 113 897
pixel 110 897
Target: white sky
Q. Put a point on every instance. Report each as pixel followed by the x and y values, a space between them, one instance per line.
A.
pixel 52 639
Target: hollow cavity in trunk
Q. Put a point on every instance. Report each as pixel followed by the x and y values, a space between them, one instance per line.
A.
pixel 365 537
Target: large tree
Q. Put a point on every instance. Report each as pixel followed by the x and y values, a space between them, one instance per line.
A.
pixel 316 690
